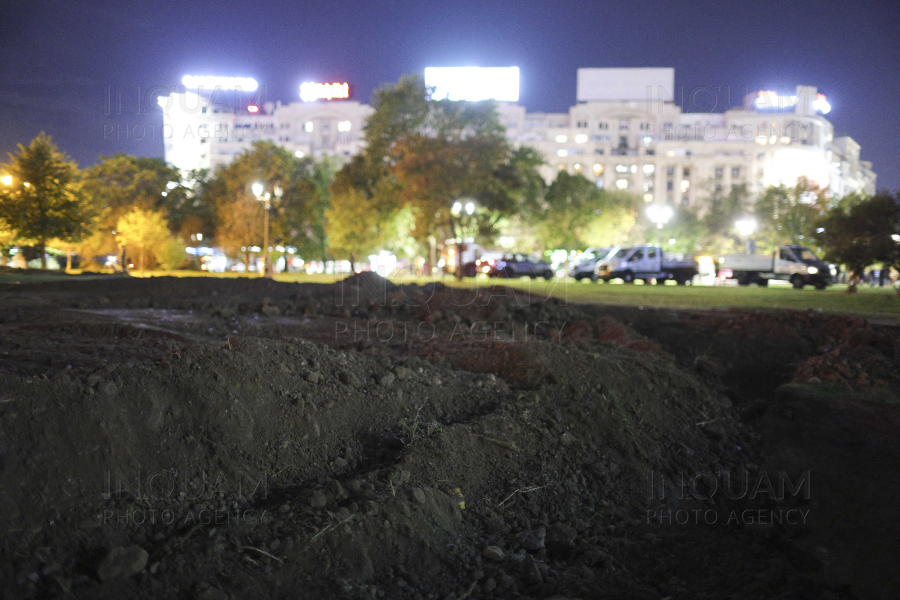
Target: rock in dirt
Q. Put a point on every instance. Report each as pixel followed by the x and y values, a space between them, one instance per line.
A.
pixel 493 553
pixel 123 562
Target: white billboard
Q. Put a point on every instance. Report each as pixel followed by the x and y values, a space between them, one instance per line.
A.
pixel 474 83
pixel 625 84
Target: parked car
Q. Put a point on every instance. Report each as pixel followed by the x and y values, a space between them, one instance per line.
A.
pixel 797 264
pixel 584 265
pixel 520 265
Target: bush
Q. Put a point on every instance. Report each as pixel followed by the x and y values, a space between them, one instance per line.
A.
pixel 170 254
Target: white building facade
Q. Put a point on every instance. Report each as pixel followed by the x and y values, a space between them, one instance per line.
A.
pixel 202 135
pixel 624 133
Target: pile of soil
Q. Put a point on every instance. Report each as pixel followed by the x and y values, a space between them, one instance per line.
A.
pixel 210 438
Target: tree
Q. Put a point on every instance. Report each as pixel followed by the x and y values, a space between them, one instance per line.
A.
pixel 296 217
pixel 7 237
pixel 142 228
pixel 430 154
pixel 790 215
pixel 121 182
pixel 571 203
pixel 862 233
pixel 44 200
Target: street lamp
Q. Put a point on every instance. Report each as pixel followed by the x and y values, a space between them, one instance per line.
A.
pixel 659 214
pixel 746 227
pixel 264 196
pixel 6 180
pixel 459 210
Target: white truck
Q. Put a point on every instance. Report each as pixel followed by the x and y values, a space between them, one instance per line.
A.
pixel 585 264
pixel 797 264
pixel 647 262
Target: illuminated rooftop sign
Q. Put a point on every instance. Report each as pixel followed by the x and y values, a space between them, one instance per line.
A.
pixel 474 83
pixel 311 91
pixel 246 84
pixel 821 105
pixel 772 100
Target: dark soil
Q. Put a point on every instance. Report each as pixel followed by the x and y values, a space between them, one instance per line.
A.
pixel 213 438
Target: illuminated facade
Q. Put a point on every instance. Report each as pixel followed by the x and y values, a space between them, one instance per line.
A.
pixel 203 135
pixel 648 146
pixel 624 133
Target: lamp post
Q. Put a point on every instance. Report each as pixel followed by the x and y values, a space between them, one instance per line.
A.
pixel 266 197
pixel 659 214
pixel 458 210
pixel 746 227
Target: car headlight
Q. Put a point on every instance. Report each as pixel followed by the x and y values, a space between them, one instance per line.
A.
pixel 812 270
pixel 623 264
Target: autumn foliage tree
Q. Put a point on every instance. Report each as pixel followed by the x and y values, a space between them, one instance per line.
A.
pixel 143 230
pixel 44 199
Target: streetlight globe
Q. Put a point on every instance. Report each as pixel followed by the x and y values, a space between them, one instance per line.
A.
pixel 279 191
pixel 659 214
pixel 457 207
pixel 470 207
pixel 745 226
pixel 257 189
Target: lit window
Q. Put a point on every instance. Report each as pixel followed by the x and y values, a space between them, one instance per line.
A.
pixel 649 169
pixel 622 184
pixel 773 139
pixel 648 197
pixel 580 138
pixel 600 184
pixel 685 184
pixel 785 139
pixel 299 154
pixel 344 126
pixel 598 168
pixel 308 127
pixel 761 140
pixel 561 139
pixel 577 167
pixel 562 152
pixel 621 168
pixel 561 167
pixel 634 168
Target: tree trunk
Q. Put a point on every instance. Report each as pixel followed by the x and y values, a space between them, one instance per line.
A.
pixel 68 259
pixel 43 246
pixel 352 262
pixel 124 264
pixel 459 260
pixel 141 259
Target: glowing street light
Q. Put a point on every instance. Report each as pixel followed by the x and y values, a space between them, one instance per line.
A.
pixel 659 214
pixel 264 196
pixel 459 210
pixel 746 227
pixel 6 180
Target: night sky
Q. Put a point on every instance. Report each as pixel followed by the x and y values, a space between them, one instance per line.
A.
pixel 60 62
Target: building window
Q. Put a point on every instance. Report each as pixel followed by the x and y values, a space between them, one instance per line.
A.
pixel 718 172
pixel 621 168
pixel 623 125
pixel 578 167
pixel 735 171
pixel 670 185
pixel 598 168
pixel 649 169
pixel 581 124
pixel 561 139
pixel 561 167
pixel 308 127
pixel 686 172
pixel 602 125
pixel 718 187
pixel 599 151
pixel 600 184
pixel 581 138
pixel 622 184
pixel 670 170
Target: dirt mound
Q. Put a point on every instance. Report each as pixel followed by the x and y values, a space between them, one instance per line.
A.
pixel 260 466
